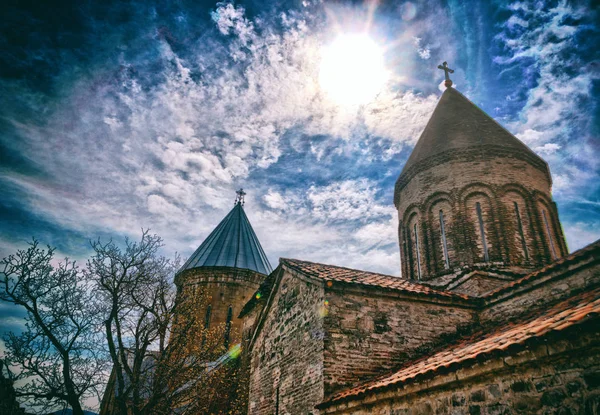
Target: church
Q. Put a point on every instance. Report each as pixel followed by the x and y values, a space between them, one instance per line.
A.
pixel 492 315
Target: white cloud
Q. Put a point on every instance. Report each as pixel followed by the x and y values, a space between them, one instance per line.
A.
pixel 580 234
pixel 555 121
pixel 547 149
pixel 275 200
pixel 347 200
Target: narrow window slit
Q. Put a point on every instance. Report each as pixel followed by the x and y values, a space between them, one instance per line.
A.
pixel 409 253
pixel 207 317
pixel 418 253
pixel 521 234
pixel 206 323
pixel 444 243
pixel 486 257
pixel 228 326
pixel 554 256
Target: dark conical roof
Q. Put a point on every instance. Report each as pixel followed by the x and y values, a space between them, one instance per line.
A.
pixel 233 243
pixel 456 124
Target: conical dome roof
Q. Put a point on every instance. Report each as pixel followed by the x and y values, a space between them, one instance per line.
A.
pixel 233 243
pixel 457 124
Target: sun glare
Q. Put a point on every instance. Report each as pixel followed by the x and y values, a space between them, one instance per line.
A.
pixel 352 70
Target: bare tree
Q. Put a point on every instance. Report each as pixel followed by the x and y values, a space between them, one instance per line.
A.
pixel 163 355
pixel 57 356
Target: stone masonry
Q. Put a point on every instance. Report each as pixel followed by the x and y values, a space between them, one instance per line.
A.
pixel 558 377
pixel 287 352
pixel 450 196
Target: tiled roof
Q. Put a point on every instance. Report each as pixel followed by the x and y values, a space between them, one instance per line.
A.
pixel 352 276
pixel 233 243
pixel 561 316
pixel 592 250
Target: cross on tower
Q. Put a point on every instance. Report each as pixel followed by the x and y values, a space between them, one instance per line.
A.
pixel 444 67
pixel 240 197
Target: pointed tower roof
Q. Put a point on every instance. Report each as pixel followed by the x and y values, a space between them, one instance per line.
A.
pixel 233 243
pixel 456 125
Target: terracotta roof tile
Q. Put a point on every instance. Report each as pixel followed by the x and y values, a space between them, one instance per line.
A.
pixel 559 317
pixel 352 276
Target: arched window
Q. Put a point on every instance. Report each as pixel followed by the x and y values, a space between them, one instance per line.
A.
pixel 520 230
pixel 416 236
pixel 228 326
pixel 444 241
pixel 486 256
pixel 552 249
pixel 409 253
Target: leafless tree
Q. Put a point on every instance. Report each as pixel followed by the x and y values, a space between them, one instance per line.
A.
pixel 57 358
pixel 155 340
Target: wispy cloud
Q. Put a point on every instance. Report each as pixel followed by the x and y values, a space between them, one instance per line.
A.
pixel 161 133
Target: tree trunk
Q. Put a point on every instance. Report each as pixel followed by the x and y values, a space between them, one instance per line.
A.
pixel 73 399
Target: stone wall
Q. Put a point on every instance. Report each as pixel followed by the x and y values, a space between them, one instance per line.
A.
pixel 552 285
pixel 560 377
pixel 371 331
pixel 286 375
pixel 501 186
pixel 226 287
pixel 222 293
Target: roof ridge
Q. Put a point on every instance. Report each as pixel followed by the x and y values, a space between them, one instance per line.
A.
pixel 588 249
pixel 399 283
pixel 342 267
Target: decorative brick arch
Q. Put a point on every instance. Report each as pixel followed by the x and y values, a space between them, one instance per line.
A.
pixel 440 212
pixel 550 229
pixel 413 245
pixel 518 220
pixel 479 211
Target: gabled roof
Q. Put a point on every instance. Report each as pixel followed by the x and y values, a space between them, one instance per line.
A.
pixel 354 276
pixel 233 243
pixel 566 314
pixel 458 123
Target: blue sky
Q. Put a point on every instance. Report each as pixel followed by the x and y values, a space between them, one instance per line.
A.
pixel 121 116
pixel 118 116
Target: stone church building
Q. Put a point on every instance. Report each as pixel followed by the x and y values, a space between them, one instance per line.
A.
pixel 492 315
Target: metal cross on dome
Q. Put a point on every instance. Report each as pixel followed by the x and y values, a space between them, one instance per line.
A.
pixel 240 197
pixel 444 67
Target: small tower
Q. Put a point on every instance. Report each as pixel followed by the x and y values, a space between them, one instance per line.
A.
pixel 229 267
pixel 230 264
pixel 472 196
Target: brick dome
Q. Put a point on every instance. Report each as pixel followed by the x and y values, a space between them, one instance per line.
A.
pixel 472 195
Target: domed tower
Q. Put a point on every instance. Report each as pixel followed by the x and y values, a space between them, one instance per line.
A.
pixel 472 196
pixel 228 266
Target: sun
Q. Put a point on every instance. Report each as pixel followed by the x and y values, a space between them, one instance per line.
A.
pixel 352 69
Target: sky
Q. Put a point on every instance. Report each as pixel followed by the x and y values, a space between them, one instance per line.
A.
pixel 118 116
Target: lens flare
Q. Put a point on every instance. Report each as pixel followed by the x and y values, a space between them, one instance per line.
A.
pixel 352 69
pixel 234 351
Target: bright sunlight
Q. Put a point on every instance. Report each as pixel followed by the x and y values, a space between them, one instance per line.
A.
pixel 352 70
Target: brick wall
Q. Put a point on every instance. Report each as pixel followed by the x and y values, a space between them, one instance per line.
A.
pixel 227 290
pixel 226 287
pixel 520 222
pixel 560 377
pixel 286 374
pixel 370 333
pixel 555 285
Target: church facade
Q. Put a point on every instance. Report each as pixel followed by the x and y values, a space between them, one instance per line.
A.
pixel 492 315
